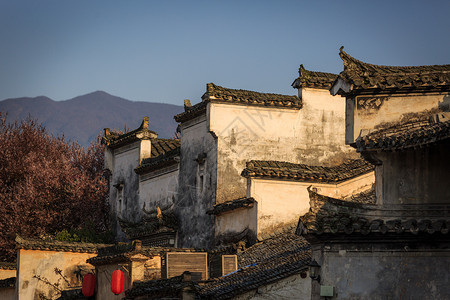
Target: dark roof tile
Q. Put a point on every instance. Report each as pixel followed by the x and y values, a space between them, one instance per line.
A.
pixel 334 216
pixel 35 244
pixel 265 262
pixel 232 205
pixel 215 93
pixel 116 140
pixel 419 132
pixel 313 79
pixel 364 77
pixel 301 172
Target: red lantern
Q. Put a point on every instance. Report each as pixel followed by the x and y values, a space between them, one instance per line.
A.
pixel 88 285
pixel 117 282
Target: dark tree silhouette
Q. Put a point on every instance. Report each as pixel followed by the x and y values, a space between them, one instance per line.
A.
pixel 47 184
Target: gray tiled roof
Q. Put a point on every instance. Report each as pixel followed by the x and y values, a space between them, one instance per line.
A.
pixel 300 172
pixel 215 93
pixel 35 244
pixel 232 205
pixel 363 76
pixel 408 134
pixel 160 159
pixel 8 266
pixel 333 216
pixel 265 262
pixel 313 79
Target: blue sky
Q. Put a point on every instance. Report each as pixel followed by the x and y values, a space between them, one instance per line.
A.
pixel 166 51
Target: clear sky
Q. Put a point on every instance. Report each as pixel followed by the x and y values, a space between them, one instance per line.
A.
pixel 166 51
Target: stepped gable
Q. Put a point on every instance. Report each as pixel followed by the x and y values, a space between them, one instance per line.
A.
pixel 37 244
pixel 115 140
pixel 215 93
pixel 245 202
pixel 299 172
pixel 266 262
pixel 360 215
pixel 191 112
pixel 313 79
pixel 413 133
pixel 368 77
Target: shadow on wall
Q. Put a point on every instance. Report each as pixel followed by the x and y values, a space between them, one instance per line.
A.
pixel 445 104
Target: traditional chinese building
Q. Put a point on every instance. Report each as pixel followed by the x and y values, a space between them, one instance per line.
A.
pixel 393 242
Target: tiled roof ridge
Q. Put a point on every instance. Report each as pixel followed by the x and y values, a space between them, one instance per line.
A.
pixel 8 265
pixel 38 244
pixel 302 172
pixel 314 79
pixel 158 162
pixel 216 92
pixel 335 216
pixel 403 135
pixel 191 112
pixel 113 139
pixel 219 208
pixel 288 228
pixel 363 76
pixel 265 263
pixel 350 63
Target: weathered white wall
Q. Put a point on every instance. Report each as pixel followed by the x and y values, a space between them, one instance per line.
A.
pixel 158 188
pixel 7 273
pixel 386 274
pixel 236 221
pixel 282 202
pixel 193 201
pixel 367 113
pixel 292 287
pixel 312 135
pixel 43 264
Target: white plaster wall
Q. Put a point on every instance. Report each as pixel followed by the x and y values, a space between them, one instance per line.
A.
pixel 236 221
pixel 292 287
pixel 158 190
pixel 124 161
pixel 282 202
pixel 43 263
pixel 312 135
pixel 7 274
pixel 391 110
pixel 196 228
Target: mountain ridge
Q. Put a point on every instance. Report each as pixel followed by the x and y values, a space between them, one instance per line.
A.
pixel 82 118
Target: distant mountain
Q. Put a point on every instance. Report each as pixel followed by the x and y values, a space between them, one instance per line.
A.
pixel 83 118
